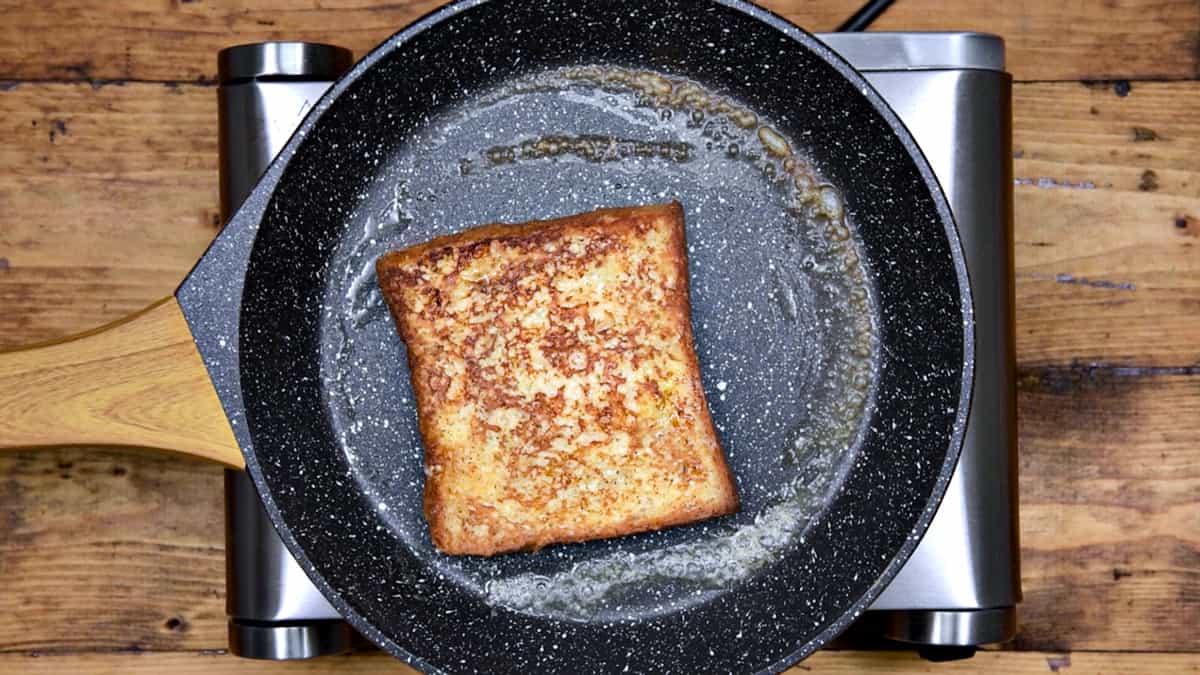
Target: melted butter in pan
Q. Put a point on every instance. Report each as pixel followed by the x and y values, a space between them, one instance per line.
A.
pixel 782 309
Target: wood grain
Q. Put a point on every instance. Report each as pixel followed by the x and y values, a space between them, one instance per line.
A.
pixel 1107 227
pixel 1110 474
pixel 113 559
pixel 856 662
pixel 1077 39
pixel 105 550
pixel 139 382
pixel 177 41
pixel 107 198
pixel 115 214
pixel 1110 509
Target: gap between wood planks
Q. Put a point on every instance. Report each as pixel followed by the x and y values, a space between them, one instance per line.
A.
pixel 823 661
pixel 179 39
pixel 1121 86
pixel 7 85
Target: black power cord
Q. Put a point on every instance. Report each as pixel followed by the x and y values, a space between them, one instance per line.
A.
pixel 865 16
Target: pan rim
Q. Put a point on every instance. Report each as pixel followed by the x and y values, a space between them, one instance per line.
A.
pixel 941 206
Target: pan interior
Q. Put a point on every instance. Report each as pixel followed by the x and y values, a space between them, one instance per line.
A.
pixel 782 312
pixel 380 164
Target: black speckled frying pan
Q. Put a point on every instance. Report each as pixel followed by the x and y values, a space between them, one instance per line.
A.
pixel 830 305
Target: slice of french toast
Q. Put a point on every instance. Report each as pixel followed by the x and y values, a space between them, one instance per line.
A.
pixel 557 387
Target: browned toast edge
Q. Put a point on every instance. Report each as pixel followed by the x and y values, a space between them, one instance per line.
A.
pixel 390 274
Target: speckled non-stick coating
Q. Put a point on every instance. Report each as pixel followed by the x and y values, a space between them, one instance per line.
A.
pixel 312 374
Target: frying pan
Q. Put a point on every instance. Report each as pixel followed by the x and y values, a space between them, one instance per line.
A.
pixel 831 310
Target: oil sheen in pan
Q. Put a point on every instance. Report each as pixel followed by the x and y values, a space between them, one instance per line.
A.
pixel 781 310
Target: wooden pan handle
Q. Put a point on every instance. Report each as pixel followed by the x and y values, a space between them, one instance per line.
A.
pixel 137 382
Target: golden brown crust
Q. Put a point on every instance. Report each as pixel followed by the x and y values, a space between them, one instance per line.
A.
pixel 683 317
pixel 558 391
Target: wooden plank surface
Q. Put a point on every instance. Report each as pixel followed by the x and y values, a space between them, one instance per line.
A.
pixel 1110 527
pixel 1107 224
pixel 1071 39
pixel 1110 530
pixel 107 550
pixel 128 39
pixel 102 213
pixel 113 559
pixel 883 663
pixel 107 198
